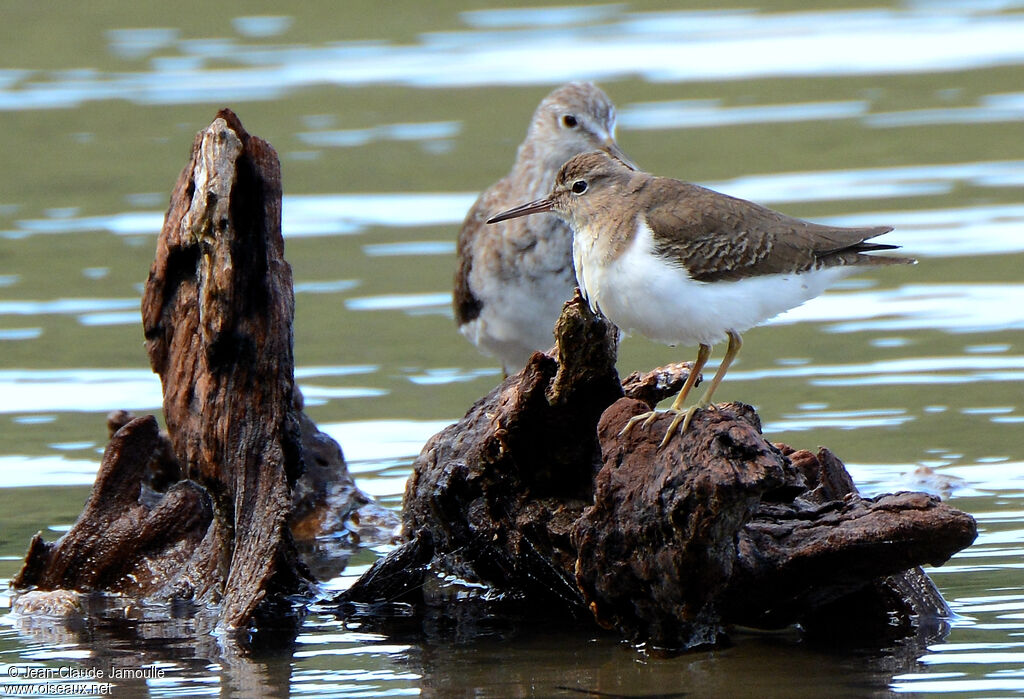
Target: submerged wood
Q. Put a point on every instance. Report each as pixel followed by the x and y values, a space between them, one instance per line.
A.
pixel 534 497
pixel 203 511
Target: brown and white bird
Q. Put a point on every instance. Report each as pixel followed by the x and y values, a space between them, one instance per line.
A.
pixel 679 263
pixel 513 278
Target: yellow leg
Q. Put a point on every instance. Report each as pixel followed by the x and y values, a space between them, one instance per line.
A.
pixel 703 352
pixel 735 343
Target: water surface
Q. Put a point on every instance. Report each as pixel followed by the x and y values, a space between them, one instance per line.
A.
pixel 388 121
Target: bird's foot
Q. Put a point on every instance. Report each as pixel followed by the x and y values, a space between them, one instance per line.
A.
pixel 681 420
pixel 684 417
pixel 646 418
pixel 678 416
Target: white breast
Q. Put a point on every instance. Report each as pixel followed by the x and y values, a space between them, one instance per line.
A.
pixel 641 292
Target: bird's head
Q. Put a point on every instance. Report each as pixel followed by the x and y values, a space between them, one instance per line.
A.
pixel 585 186
pixel 576 118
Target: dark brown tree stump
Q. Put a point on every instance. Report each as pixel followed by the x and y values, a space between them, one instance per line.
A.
pixel 202 512
pixel 536 497
pixel 120 541
pixel 722 527
pixel 497 492
pixel 217 315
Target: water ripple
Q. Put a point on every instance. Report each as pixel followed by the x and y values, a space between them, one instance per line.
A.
pixel 103 390
pixel 967 366
pixel 439 302
pixel 551 48
pixel 374 441
pixel 869 183
pixel 348 138
pixel 692 114
pixel 956 308
pixel 46 471
pixel 411 248
pixel 939 232
pixel 992 108
pixel 20 333
pixel 843 420
pixel 966 232
pixel 66 306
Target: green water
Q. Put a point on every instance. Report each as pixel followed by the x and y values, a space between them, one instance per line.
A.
pixel 923 127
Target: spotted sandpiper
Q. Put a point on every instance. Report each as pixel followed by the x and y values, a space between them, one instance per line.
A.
pixel 679 263
pixel 512 279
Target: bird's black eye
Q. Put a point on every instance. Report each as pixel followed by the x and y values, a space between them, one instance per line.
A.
pixel 569 121
pixel 579 186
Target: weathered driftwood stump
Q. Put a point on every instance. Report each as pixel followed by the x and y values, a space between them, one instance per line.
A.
pixel 202 511
pixel 726 528
pixel 534 497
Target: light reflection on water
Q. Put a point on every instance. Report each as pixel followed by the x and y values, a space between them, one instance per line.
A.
pixel 944 232
pixel 992 108
pixel 699 46
pixel 874 183
pixel 302 215
pixel 947 209
pixel 964 368
pixel 658 46
pixel 48 471
pixel 692 114
pixel 439 302
pixel 381 450
pixel 389 132
pixel 955 308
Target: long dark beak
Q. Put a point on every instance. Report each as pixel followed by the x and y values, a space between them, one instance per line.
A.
pixel 534 207
pixel 612 148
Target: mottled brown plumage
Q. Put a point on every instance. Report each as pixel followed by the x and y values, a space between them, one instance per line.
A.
pixel 512 279
pixel 714 236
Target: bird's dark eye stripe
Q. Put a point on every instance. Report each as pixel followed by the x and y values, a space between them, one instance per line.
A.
pixel 579 186
pixel 570 121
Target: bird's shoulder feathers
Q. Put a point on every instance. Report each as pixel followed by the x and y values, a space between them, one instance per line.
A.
pixel 717 237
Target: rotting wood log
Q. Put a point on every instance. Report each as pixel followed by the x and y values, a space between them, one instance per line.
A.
pixel 534 495
pixel 497 492
pixel 204 511
pixel 725 528
pixel 121 541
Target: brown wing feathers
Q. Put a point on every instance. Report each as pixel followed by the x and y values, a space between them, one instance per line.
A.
pixel 719 238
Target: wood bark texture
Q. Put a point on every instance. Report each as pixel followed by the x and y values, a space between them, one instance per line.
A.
pixel 536 497
pixel 202 511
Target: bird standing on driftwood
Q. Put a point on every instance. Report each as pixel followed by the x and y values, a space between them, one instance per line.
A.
pixel 679 263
